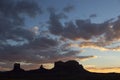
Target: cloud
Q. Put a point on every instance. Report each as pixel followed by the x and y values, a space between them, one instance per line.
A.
pixel 101 34
pixel 11 19
pixel 84 58
pixel 98 46
pixel 70 31
pixel 55 25
pixel 29 51
pixel 40 50
pixel 30 8
pixel 93 16
pixel 84 29
pixel 80 29
pixel 4 69
pixel 68 8
pixel 93 45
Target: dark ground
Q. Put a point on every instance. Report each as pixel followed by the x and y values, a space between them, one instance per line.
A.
pixel 70 70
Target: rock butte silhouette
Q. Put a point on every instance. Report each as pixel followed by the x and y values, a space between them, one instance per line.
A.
pixel 70 70
pixel 17 68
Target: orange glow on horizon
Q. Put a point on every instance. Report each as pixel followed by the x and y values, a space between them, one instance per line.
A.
pixel 104 70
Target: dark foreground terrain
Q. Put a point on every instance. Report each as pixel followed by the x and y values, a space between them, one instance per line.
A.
pixel 70 70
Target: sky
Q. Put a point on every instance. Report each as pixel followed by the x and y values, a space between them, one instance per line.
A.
pixel 35 32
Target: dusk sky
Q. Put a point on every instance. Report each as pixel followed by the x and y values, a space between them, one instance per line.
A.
pixel 35 32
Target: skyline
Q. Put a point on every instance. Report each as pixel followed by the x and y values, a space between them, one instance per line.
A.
pixel 35 32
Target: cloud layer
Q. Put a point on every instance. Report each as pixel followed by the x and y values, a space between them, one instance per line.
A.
pixel 36 45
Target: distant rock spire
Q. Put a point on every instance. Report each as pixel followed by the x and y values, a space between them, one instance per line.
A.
pixel 42 69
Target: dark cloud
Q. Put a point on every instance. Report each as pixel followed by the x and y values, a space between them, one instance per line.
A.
pixel 28 52
pixel 42 42
pixel 70 31
pixel 68 8
pixel 104 34
pixel 93 15
pixel 11 19
pixel 80 29
pixel 30 8
pixel 11 28
pixel 84 29
pixel 40 50
pixel 55 25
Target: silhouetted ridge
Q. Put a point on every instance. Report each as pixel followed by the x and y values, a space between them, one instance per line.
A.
pixel 69 66
pixel 70 70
